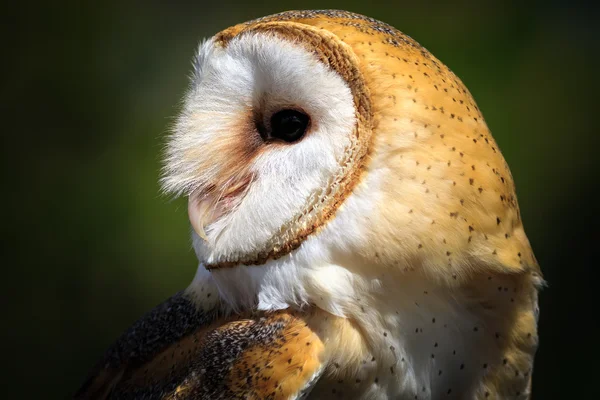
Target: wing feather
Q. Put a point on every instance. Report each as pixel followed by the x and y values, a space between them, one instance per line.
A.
pixel 179 352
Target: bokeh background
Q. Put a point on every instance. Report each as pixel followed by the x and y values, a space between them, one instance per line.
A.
pixel 89 90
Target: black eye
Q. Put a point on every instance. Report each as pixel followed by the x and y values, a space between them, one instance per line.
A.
pixel 289 125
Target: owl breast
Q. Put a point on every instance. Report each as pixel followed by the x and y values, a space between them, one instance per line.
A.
pixel 429 343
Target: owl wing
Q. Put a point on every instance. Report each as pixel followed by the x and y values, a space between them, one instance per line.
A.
pixel 179 352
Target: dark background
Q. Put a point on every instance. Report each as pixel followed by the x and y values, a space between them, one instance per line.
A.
pixel 88 93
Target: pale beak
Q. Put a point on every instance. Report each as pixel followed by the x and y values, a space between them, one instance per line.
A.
pixel 199 212
pixel 206 207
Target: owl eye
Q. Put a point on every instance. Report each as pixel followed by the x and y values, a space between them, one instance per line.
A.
pixel 289 125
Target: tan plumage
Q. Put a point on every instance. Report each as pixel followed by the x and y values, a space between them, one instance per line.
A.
pixel 442 295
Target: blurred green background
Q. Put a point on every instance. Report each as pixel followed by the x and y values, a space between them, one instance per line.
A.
pixel 87 96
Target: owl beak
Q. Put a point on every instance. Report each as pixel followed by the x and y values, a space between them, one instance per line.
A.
pixel 205 207
pixel 199 212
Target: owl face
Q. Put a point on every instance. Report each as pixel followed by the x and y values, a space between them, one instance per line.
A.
pixel 260 146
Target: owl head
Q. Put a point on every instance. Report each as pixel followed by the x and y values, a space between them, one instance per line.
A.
pixel 320 146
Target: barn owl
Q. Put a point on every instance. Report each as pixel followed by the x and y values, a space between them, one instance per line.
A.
pixel 356 225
